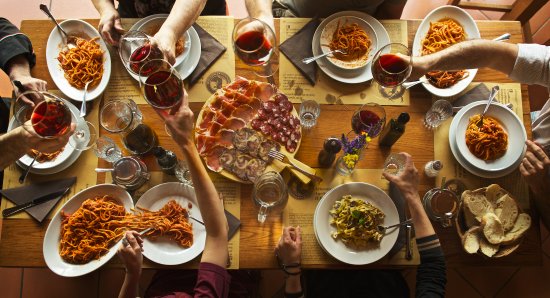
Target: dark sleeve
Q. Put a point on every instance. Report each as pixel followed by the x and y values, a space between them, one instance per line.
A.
pixel 212 281
pixel 13 43
pixel 430 276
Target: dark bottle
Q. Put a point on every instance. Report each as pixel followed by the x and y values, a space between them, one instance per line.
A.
pixel 166 159
pixel 394 130
pixel 326 156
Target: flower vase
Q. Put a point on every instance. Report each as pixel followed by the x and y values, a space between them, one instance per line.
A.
pixel 342 168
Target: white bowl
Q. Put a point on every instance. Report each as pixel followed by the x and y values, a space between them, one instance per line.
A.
pixel 326 37
pixel 472 32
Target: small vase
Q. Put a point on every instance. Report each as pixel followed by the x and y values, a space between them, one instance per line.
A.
pixel 342 168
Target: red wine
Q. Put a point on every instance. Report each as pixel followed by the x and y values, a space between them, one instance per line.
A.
pixel 253 48
pixel 141 139
pixel 390 70
pixel 163 89
pixel 51 118
pixel 366 121
pixel 141 55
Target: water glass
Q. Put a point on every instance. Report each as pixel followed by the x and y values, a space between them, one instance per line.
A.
pixel 309 112
pixel 440 111
pixel 270 194
pixel 441 205
pixel 182 173
pixel 394 164
pixel 105 148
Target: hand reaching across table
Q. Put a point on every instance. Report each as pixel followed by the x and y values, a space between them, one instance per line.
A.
pixel 130 254
pixel 534 168
pixel 289 255
pixel 110 26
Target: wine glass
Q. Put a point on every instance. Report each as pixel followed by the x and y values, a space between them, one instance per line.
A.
pixel 391 66
pixel 50 117
pixel 84 136
pixel 135 49
pixel 256 45
pixel 369 118
pixel 161 85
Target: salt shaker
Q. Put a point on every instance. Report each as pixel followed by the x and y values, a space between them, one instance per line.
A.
pixel 432 168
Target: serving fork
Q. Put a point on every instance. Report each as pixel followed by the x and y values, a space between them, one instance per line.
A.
pixel 292 163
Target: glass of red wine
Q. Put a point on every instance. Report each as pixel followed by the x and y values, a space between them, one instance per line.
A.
pixel 161 85
pixel 391 66
pixel 256 45
pixel 136 49
pixel 369 118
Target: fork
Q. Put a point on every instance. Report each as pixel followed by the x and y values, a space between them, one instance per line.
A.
pixel 283 158
pixel 494 91
pixel 311 59
pixel 83 106
pixel 125 242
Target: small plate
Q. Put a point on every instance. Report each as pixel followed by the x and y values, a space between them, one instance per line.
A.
pixel 472 32
pixel 337 248
pixel 166 251
pixel 50 246
pixel 54 46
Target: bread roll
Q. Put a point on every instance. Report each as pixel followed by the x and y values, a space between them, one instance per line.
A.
pixel 521 225
pixel 507 212
pixel 493 193
pixel 487 248
pixel 470 240
pixel 492 228
pixel 477 204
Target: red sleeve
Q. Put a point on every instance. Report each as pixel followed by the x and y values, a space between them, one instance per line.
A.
pixel 212 281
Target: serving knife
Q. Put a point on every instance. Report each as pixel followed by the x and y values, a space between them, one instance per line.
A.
pixel 47 197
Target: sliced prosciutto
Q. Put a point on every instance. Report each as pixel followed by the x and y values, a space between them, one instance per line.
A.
pixel 244 112
pixel 212 158
pixel 234 123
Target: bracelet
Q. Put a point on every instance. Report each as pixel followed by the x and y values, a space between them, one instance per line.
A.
pixel 285 267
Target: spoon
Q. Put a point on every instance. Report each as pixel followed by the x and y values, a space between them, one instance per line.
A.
pixel 311 59
pixel 382 229
pixel 71 40
pixel 27 170
pixel 491 97
pixel 83 106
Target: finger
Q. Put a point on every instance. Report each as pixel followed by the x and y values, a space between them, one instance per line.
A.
pixel 299 235
pixel 390 177
pixel 523 170
pixel 118 26
pixel 106 32
pixel 132 240
pixel 538 151
pixel 528 166
pixel 162 113
pixel 534 161
pixel 286 234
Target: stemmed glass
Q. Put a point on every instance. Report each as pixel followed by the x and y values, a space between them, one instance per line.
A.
pixel 369 118
pixel 161 85
pixel 391 66
pixel 136 49
pixel 256 45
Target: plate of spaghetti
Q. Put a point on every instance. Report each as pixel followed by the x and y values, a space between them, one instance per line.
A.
pixel 175 238
pixel 71 67
pixel 496 146
pixel 84 233
pixel 354 36
pixel 442 28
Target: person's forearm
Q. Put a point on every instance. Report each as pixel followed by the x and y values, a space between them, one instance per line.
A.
pixel 183 14
pixel 18 67
pixel 129 288
pixel 103 5
pixel 12 147
pixel 260 9
pixel 422 225
pixel 500 56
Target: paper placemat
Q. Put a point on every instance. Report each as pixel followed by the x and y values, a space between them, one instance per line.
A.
pixel 82 168
pixel 328 90
pixel 299 212
pixel 514 183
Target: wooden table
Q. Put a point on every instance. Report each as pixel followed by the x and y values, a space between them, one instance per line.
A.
pixel 21 240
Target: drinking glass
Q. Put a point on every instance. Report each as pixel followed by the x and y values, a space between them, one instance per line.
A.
pixel 256 45
pixel 182 173
pixel 84 136
pixel 369 118
pixel 441 205
pixel 440 111
pixel 270 194
pixel 135 49
pixel 130 172
pixel 394 164
pixel 391 66
pixel 105 148
pixel 309 112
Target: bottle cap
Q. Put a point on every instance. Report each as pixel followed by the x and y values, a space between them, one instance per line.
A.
pixel 403 118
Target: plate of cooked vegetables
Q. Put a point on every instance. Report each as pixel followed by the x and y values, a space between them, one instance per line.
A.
pixel 86 59
pixel 346 223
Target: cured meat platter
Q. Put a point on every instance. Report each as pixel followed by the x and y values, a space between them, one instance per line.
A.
pixel 240 123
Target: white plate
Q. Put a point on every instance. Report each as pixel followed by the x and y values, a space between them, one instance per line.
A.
pixel 166 251
pixel 467 163
pixel 349 76
pixel 54 46
pixel 472 32
pixel 187 65
pixel 50 246
pixel 337 248
pixel 63 161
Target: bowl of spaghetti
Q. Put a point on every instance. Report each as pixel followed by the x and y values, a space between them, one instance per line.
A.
pixel 354 36
pixel 442 28
pixel 494 146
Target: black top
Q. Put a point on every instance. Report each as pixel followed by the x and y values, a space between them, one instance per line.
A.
pixel 13 43
pixel 143 8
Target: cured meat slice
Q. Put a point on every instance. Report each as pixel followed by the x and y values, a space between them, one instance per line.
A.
pixel 266 129
pixel 240 139
pixel 254 169
pixel 264 149
pixel 219 117
pixel 244 112
pixel 206 143
pixel 253 144
pixel 268 106
pixel 255 103
pixel 234 123
pixel 256 124
pixel 213 158
pixel 291 146
pixel 285 106
pixel 227 159
pixel 240 83
pixel 227 108
pixel 239 167
pixel 207 116
pixel 264 91
pixel 214 128
pixel 279 97
pixel 250 89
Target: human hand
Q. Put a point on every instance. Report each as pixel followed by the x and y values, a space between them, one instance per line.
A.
pixel 29 84
pixel 407 180
pixel 289 248
pixel 165 41
pixel 110 26
pixel 34 141
pixel 534 168
pixel 179 120
pixel 130 254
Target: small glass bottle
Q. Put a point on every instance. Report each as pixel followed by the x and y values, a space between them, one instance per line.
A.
pixel 394 130
pixel 432 168
pixel 327 156
pixel 166 159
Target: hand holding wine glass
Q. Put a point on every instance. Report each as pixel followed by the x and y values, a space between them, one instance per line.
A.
pixel 391 66
pixel 137 48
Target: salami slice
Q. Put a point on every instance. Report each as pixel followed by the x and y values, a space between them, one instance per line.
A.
pixel 285 106
pixel 266 129
pixel 268 106
pixel 256 124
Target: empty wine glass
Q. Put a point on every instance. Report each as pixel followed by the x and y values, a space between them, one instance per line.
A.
pixel 256 45
pixel 84 136
pixel 135 49
pixel 391 66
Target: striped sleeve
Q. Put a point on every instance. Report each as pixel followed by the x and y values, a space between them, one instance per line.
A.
pixel 430 276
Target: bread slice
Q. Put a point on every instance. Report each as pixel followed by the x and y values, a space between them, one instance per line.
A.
pixel 493 193
pixel 487 248
pixel 476 203
pixel 492 228
pixel 507 212
pixel 522 224
pixel 470 240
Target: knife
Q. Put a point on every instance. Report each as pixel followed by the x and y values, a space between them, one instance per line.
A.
pixel 18 208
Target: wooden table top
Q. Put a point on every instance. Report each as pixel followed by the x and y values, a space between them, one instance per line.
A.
pixel 21 240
